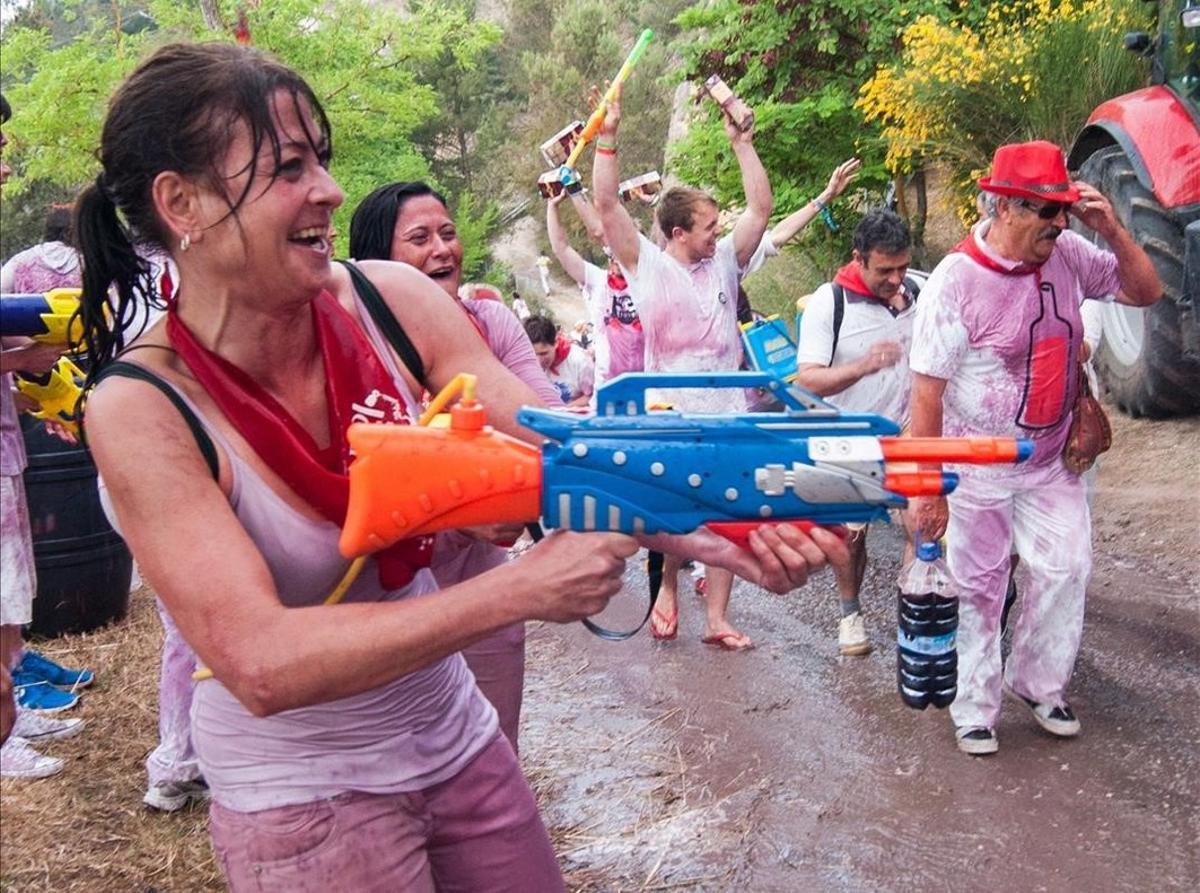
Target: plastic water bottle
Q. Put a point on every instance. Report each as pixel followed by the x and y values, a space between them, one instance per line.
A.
pixel 926 658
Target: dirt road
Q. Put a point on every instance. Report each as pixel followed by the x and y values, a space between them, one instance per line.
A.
pixel 789 768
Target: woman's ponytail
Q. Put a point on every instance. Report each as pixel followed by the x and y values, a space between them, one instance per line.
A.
pixel 110 262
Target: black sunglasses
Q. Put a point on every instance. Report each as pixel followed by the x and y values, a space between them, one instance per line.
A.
pixel 1047 211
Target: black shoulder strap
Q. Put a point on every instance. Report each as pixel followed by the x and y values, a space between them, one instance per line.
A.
pixel 203 441
pixel 912 288
pixel 839 311
pixel 387 322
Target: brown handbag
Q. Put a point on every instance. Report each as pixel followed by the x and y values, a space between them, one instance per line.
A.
pixel 1090 433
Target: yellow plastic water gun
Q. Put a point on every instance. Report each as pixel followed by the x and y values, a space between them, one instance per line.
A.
pixel 57 393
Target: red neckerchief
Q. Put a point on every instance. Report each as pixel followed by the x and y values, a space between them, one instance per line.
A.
pixel 358 388
pixel 617 283
pixel 971 249
pixel 562 348
pixel 850 278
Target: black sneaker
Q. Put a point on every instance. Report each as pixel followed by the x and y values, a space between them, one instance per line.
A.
pixel 977 741
pixel 1056 719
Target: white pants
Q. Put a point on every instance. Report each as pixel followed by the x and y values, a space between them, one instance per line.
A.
pixel 18 574
pixel 1042 514
pixel 174 759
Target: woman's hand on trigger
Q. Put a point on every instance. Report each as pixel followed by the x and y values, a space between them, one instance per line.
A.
pixel 575 574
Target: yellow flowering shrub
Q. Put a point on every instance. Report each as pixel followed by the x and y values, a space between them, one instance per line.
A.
pixel 1029 69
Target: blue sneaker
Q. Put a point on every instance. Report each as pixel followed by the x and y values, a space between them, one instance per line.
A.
pixel 41 667
pixel 38 694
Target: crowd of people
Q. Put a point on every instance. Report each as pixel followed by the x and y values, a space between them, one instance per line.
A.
pixel 372 743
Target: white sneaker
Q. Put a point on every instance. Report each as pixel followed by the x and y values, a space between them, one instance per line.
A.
pixel 976 740
pixel 852 635
pixel 19 760
pixel 1056 719
pixel 34 726
pixel 175 795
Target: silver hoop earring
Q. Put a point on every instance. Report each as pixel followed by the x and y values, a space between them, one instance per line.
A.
pixel 186 242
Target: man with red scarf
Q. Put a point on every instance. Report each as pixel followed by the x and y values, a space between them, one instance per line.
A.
pixel 854 339
pixel 569 367
pixel 996 346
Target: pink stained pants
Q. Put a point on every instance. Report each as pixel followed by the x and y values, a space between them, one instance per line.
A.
pixel 478 832
pixel 174 759
pixel 1042 514
pixel 498 663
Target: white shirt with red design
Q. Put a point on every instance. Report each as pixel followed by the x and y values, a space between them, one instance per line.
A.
pixel 689 316
pixel 620 341
pixel 1007 349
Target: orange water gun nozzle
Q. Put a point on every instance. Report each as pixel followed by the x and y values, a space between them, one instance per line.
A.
pixel 976 450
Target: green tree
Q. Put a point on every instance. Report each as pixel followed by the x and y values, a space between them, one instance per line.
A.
pixel 553 52
pixel 365 62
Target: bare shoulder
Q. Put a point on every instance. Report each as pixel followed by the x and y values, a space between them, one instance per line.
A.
pixel 132 428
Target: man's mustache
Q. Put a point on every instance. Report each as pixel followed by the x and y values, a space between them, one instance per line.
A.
pixel 1050 232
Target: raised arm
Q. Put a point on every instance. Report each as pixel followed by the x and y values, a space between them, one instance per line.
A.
pixel 620 232
pixel 567 256
pixel 786 229
pixel 1140 285
pixel 588 215
pixel 748 231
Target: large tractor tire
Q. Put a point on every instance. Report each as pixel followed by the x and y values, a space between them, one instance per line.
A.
pixel 1141 358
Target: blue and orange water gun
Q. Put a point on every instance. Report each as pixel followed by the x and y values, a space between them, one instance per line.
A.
pixel 635 470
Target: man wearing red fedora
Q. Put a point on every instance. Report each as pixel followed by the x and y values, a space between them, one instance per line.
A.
pixel 996 347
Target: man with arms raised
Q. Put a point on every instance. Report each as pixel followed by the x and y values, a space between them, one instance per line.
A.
pixel 686 295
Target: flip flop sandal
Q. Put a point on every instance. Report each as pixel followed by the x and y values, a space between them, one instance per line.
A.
pixel 664 627
pixel 722 641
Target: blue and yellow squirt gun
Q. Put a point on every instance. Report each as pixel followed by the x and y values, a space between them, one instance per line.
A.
pixel 632 470
pixel 52 318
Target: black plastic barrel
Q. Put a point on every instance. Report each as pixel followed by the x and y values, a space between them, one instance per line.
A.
pixel 83 566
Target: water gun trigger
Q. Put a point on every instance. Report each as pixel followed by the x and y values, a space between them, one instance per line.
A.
pixel 738 532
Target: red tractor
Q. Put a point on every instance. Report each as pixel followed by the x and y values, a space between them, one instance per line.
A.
pixel 1142 150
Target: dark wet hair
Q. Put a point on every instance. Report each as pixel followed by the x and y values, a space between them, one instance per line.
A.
pixel 374 220
pixel 58 225
pixel 678 208
pixel 179 112
pixel 5 110
pixel 881 230
pixel 541 330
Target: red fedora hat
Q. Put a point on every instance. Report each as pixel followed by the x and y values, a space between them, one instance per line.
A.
pixel 1034 170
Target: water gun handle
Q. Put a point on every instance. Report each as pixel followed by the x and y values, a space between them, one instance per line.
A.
pixel 57 393
pixel 594 122
pixel 738 532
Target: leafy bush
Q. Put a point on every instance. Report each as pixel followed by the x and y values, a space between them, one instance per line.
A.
pixel 799 65
pixel 1030 69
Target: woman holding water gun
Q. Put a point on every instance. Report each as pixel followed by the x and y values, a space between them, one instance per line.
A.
pixel 346 746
